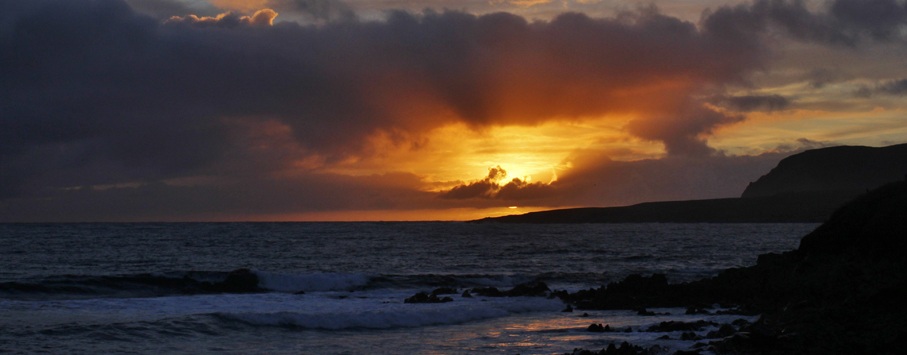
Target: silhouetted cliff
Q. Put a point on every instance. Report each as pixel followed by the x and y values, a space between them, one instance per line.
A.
pixel 805 187
pixel 846 169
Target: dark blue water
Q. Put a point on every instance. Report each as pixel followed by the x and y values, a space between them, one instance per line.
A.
pixel 142 287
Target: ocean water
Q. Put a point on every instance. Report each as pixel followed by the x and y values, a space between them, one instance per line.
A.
pixel 339 288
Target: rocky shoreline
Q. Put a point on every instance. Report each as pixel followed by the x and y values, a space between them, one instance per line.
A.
pixel 844 290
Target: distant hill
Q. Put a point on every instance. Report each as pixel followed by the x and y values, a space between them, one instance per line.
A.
pixel 845 169
pixel 805 187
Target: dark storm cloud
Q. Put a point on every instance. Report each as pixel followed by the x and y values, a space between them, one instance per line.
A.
pixel 520 190
pixel 684 132
pixel 749 103
pixel 485 188
pixel 94 83
pixel 894 87
pixel 879 19
pixel 597 180
pixel 263 17
pixel 490 188
pixel 842 21
pixel 325 10
pixel 96 93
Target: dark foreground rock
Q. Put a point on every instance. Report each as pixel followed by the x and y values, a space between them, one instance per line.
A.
pixel 842 291
pixel 625 348
pixel 424 297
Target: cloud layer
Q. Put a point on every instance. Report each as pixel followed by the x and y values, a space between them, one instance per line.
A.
pixel 97 94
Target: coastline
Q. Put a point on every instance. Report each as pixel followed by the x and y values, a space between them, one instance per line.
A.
pixel 841 291
pixel 802 207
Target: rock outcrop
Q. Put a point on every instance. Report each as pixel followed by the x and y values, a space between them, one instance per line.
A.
pixel 844 170
pixel 842 291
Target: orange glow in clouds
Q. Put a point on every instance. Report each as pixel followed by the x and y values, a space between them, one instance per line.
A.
pixel 455 154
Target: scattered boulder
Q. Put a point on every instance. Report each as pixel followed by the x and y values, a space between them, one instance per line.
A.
pixel 488 292
pixel 690 336
pixel 724 331
pixel 646 313
pixel 624 349
pixel 424 297
pixel 535 289
pixel 444 291
pixel 633 292
pixel 598 328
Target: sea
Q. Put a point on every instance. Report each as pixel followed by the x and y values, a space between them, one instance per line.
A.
pixel 339 288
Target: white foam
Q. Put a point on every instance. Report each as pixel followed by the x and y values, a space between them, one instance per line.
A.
pixel 311 282
pixel 330 310
pixel 370 313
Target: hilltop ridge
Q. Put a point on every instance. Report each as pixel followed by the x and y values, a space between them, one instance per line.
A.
pixel 805 187
pixel 846 169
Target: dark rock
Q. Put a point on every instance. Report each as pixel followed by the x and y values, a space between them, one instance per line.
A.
pixel 847 274
pixel 690 336
pixel 466 294
pixel 755 343
pixel 568 309
pixel 845 168
pixel 624 349
pixel 675 326
pixel 633 292
pixel 535 288
pixel 644 312
pixel 423 297
pixel 598 328
pixel 444 291
pixel 299 293
pixel 488 291
pixel 724 331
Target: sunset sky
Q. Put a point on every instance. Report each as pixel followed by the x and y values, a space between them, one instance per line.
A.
pixel 250 110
